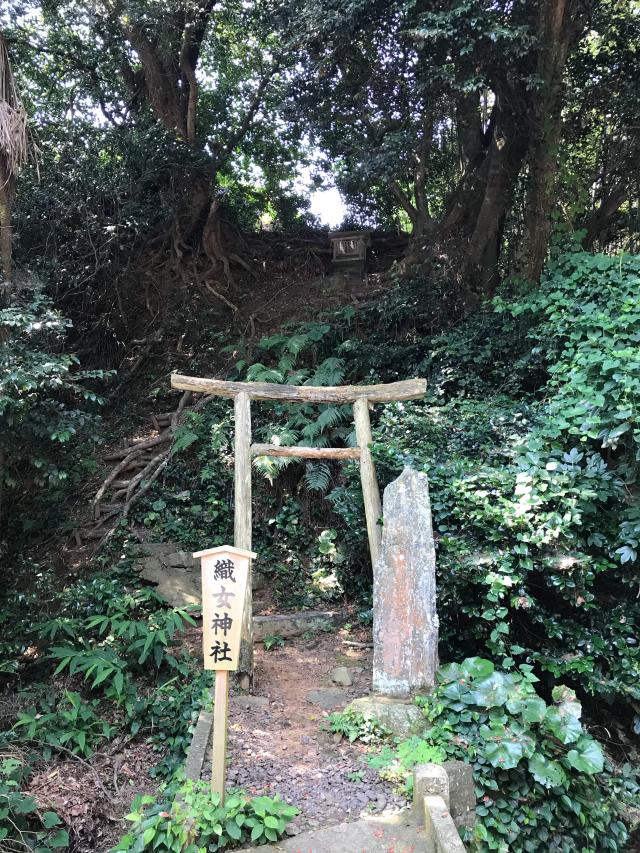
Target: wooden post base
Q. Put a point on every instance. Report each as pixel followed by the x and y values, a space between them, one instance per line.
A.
pixel 220 713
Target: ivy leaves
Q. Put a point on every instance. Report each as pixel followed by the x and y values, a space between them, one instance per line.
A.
pixel 535 765
pixel 506 744
pixel 513 711
pixel 546 771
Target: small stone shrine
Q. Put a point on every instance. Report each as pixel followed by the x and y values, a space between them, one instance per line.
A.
pixel 405 621
pixel 349 251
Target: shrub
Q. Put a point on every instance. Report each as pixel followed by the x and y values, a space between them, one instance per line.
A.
pixel 542 781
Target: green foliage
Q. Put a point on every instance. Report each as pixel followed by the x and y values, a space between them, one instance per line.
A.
pixel 70 723
pixel 529 499
pixel 47 404
pixel 121 643
pixel 541 779
pixel 354 726
pixel 355 776
pixel 23 825
pixel 119 646
pixel 195 821
pixel 396 763
pixel 273 641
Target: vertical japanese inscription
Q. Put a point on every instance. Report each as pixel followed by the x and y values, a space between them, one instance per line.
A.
pixel 224 580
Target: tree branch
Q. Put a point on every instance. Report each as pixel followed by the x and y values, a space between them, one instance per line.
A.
pixel 241 132
pixel 404 200
pixel 194 32
pixel 597 222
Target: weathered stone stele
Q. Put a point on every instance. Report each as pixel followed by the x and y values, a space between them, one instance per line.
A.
pixel 405 621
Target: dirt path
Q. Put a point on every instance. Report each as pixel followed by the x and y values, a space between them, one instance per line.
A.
pixel 277 743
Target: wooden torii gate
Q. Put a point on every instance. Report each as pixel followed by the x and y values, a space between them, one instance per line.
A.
pixel 360 396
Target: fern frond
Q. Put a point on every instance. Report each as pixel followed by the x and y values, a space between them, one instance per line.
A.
pixel 317 477
pixel 260 373
pixel 297 343
pixel 311 431
pixel 328 372
pixel 330 417
pixel 273 342
pixel 270 467
pixel 297 377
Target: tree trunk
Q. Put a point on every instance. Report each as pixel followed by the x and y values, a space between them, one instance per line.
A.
pixel 598 222
pixel 6 188
pixel 556 29
pixel 469 130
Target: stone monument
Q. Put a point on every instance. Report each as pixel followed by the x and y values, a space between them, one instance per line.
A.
pixel 405 621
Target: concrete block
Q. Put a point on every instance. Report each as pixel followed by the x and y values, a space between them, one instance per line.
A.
pixel 440 830
pixel 429 780
pixel 462 793
pixel 295 624
pixel 198 746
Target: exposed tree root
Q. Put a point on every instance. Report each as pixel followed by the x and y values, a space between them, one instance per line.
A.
pixel 145 460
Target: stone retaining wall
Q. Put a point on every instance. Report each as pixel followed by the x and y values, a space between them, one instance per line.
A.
pixel 177 578
pixel 176 574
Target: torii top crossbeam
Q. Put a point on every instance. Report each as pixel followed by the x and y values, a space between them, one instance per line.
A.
pixel 409 389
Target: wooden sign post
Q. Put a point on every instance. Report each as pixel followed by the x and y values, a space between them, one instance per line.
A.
pixel 225 576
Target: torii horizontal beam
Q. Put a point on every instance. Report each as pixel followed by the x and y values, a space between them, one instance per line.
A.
pixel 409 389
pixel 305 452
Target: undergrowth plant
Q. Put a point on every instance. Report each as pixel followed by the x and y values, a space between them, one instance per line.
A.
pixel 119 673
pixel 190 819
pixel 70 723
pixel 396 763
pixel 23 824
pixel 354 725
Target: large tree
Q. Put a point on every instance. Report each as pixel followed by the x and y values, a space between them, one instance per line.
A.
pixel 453 115
pixel 207 73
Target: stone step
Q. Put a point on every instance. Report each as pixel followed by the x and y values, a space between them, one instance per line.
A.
pixel 401 835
